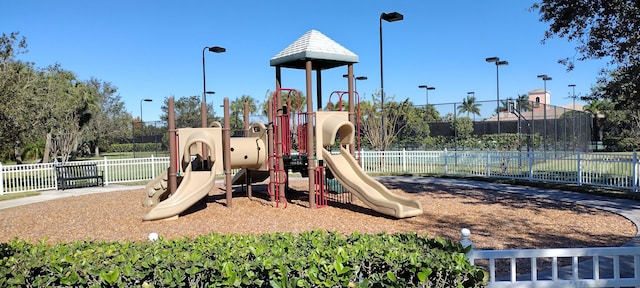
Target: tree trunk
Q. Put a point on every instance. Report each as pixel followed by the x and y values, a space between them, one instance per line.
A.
pixel 96 151
pixel 17 153
pixel 46 157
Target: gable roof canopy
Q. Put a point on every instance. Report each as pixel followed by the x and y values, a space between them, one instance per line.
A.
pixel 323 52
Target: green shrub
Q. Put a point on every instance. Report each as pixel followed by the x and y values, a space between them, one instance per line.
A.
pixel 309 259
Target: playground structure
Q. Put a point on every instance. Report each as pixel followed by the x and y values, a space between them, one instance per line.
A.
pixel 267 151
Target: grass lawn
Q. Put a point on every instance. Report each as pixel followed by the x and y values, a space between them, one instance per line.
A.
pixel 18 195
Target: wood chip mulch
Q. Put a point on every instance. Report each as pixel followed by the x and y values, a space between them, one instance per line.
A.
pixel 497 220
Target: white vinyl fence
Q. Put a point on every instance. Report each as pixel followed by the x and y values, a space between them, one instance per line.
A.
pixel 615 170
pixel 38 177
pixel 558 267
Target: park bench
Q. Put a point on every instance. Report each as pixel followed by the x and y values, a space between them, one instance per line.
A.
pixel 78 176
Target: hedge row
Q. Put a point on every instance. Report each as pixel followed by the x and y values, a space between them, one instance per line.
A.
pixel 310 259
pixel 138 147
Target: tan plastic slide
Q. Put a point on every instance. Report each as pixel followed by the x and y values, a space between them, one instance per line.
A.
pixel 345 168
pixel 195 185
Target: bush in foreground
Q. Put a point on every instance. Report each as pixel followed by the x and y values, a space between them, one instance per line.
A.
pixel 310 259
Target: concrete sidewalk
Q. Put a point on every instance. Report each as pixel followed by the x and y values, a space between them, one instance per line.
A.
pixel 57 194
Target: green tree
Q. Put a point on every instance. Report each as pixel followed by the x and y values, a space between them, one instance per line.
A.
pixel 469 106
pixel 370 118
pixel 39 104
pixel 463 127
pixel 237 109
pixel 415 129
pixel 523 103
pixel 597 108
pixel 67 106
pixel 601 30
pixel 17 79
pixel 110 123
pixel 294 99
pixel 431 114
pixel 187 112
pixel 504 105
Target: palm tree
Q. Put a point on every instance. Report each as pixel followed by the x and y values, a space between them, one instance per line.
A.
pixel 598 108
pixel 470 106
pixel 237 107
pixel 523 103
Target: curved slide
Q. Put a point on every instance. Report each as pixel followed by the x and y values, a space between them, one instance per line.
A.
pixel 345 168
pixel 195 185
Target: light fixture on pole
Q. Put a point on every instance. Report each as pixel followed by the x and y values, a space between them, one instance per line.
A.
pixel 143 100
pixel 389 17
pixel 545 78
pixel 471 94
pixel 426 89
pixel 203 106
pixel 355 80
pixel 574 95
pixel 498 63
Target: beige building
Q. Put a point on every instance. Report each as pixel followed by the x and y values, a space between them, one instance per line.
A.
pixel 540 109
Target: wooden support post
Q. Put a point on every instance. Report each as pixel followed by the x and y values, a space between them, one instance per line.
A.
pixel 226 152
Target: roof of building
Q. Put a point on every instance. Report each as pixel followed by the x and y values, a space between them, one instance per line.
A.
pixel 539 112
pixel 313 45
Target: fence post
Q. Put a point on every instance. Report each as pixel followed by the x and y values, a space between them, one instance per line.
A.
pixel 446 162
pixel 466 242
pixel 1 180
pixel 363 161
pixel 634 172
pixel 579 169
pixel 531 159
pixel 404 160
pixel 153 167
pixel 488 162
pixel 106 171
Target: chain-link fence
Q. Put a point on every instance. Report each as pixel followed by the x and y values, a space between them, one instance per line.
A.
pixel 518 126
pixel 149 137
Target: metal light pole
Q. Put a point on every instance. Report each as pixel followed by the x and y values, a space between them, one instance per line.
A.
pixel 426 89
pixel 203 106
pixel 141 123
pixel 498 63
pixel 545 78
pixel 574 95
pixel 389 17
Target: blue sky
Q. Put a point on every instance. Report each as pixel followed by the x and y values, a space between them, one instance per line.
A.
pixel 153 49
